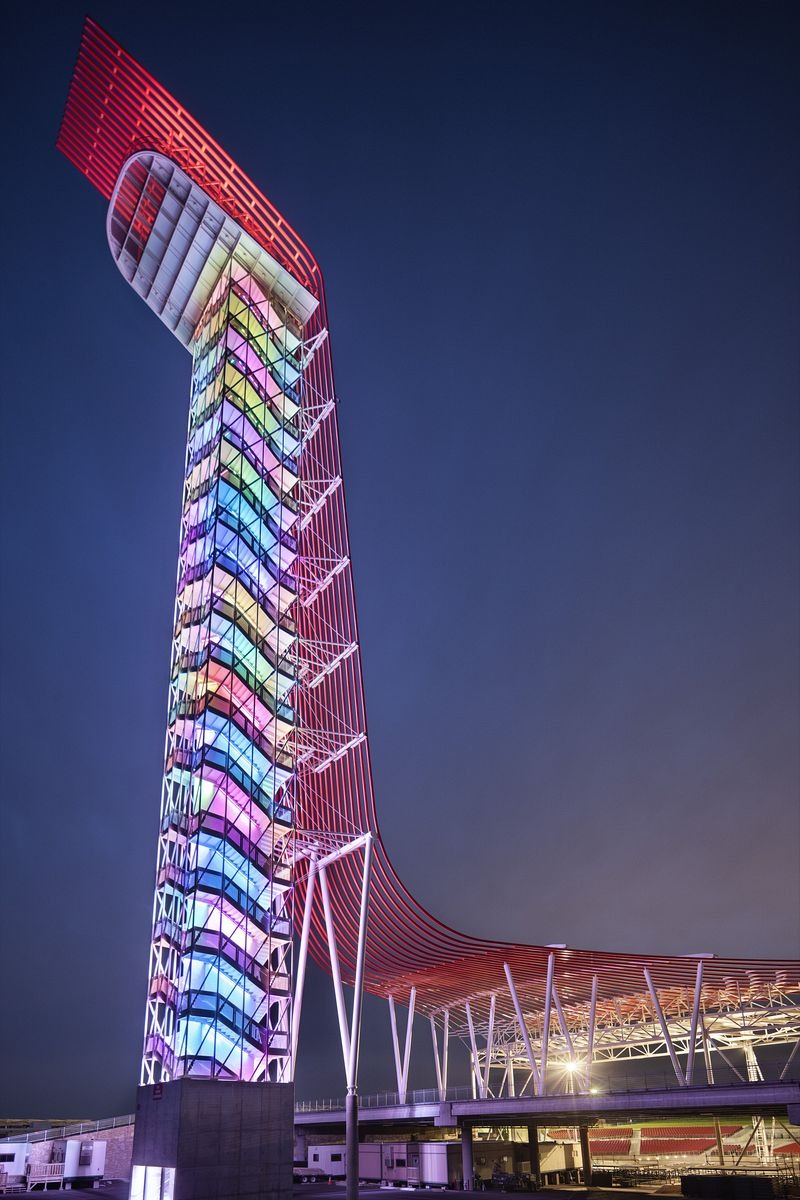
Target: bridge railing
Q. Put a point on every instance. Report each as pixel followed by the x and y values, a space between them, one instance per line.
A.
pixel 64 1131
pixel 620 1082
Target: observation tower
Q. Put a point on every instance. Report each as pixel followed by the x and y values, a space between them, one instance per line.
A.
pixel 268 843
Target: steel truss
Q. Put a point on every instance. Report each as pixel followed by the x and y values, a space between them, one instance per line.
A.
pixel 555 1048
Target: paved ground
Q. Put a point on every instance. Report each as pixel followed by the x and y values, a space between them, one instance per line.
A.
pixel 320 1191
pixel 334 1191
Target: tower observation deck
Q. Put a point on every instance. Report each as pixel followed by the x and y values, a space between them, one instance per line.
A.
pixel 267 770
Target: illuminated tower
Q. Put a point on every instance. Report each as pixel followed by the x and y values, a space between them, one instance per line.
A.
pixel 268 797
pixel 215 1109
pixel 220 970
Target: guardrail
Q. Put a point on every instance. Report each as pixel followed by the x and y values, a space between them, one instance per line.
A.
pixel 62 1131
pixel 619 1084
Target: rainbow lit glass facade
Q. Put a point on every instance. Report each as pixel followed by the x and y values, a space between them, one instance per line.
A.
pixel 220 970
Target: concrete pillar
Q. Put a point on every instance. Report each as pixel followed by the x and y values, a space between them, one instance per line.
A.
pixel 586 1154
pixel 351 1145
pixel 466 1157
pixel 533 1150
pixel 221 1137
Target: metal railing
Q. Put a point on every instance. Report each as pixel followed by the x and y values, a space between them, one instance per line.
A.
pixel 63 1131
pixel 620 1083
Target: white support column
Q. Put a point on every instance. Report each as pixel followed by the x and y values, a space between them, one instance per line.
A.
pixel 358 986
pixel 437 1065
pixel 436 1061
pixel 510 1071
pixel 350 1034
pixel 664 1029
pixel 398 1070
pixel 706 1051
pixel 504 1079
pixel 351 1101
pixel 489 1041
pixel 474 1047
pixel 401 1066
pixel 445 1049
pixel 440 1062
pixel 563 1024
pixel 302 958
pixel 523 1030
pixel 698 987
pixel 341 1011
pixel 412 1000
pixel 551 961
pixel 590 1042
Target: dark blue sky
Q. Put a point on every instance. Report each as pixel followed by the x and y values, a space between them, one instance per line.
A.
pixel 561 250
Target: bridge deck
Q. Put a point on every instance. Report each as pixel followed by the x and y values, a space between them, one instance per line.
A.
pixel 777 1099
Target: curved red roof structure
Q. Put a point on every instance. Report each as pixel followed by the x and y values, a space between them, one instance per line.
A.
pixel 115 110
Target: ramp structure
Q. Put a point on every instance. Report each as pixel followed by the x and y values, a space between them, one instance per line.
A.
pixel 267 786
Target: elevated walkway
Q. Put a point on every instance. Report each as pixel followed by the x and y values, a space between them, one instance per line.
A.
pixel 768 1099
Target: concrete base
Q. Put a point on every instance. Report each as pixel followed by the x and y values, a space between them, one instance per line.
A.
pixel 224 1140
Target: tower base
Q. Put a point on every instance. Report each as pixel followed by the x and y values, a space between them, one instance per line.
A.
pixel 208 1139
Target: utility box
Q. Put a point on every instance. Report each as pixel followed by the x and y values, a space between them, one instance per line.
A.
pixel 440 1164
pixel 369 1161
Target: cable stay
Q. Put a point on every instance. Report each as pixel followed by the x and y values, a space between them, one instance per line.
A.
pixel 317 749
pixel 319 571
pixel 306 350
pixel 313 495
pixel 328 740
pixel 318 659
pixel 312 415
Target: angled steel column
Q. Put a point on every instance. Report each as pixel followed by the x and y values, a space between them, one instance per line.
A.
pixel 440 1063
pixel 698 988
pixel 551 959
pixel 535 1085
pixel 664 1028
pixel 351 1114
pixel 402 1065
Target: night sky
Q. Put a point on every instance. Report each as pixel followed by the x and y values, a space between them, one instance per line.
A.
pixel 560 242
